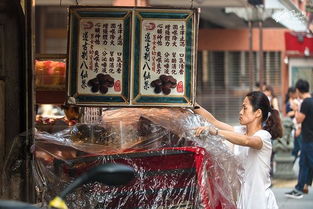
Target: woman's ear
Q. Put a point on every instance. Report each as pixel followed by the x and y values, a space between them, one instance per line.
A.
pixel 258 113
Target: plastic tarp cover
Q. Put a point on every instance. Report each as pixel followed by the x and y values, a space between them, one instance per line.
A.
pixel 174 168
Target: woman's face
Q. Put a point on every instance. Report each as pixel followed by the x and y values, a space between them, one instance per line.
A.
pixel 267 93
pixel 293 95
pixel 299 94
pixel 246 113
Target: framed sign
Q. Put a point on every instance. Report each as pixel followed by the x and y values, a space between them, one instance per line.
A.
pixel 99 56
pixel 132 56
pixel 164 63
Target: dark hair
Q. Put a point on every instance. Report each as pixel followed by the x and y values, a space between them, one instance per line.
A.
pixel 260 85
pixel 259 100
pixel 303 86
pixel 290 90
pixel 71 111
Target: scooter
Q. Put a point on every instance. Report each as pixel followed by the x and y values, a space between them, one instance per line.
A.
pixel 109 174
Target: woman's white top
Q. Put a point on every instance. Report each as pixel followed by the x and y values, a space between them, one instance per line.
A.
pixel 255 191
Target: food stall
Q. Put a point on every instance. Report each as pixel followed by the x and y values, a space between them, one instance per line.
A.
pixel 174 169
pixel 130 75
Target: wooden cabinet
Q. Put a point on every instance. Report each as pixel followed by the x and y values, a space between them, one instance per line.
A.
pixel 50 96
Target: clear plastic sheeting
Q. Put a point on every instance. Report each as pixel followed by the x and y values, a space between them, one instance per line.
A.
pixel 174 168
pixel 15 169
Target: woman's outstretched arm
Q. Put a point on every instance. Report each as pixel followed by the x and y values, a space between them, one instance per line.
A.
pixel 207 115
pixel 233 137
pixel 240 139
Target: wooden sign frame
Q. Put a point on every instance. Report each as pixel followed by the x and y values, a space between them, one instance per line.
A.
pixel 126 87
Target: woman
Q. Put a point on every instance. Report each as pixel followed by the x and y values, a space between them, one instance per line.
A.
pixel 291 98
pixel 260 124
pixel 292 102
pixel 269 92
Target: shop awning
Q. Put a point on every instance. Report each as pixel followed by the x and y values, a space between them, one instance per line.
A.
pixel 287 14
pixel 283 12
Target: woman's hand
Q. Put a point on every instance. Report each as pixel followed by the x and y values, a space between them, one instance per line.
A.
pixel 200 129
pixel 209 117
pixel 294 106
pixel 212 130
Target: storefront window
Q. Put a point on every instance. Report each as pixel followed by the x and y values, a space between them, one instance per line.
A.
pixel 51 30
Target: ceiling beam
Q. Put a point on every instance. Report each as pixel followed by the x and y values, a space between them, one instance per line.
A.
pixel 200 3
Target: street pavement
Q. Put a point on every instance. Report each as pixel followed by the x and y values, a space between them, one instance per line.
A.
pixel 281 186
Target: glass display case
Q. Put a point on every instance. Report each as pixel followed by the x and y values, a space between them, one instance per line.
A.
pixel 50 76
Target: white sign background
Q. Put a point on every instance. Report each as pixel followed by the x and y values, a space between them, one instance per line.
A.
pixel 88 25
pixel 150 26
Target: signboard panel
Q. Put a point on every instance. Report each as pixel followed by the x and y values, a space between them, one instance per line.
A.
pixel 132 57
pixel 99 56
pixel 164 57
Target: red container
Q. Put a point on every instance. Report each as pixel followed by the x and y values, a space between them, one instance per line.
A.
pixel 166 178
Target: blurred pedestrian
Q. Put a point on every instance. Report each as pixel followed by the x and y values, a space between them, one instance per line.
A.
pixel 305 117
pixel 260 124
pixel 269 92
pixel 292 105
pixel 260 86
pixel 291 97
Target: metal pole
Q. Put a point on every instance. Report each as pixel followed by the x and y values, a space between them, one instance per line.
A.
pixel 251 70
pixel 29 86
pixel 261 57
